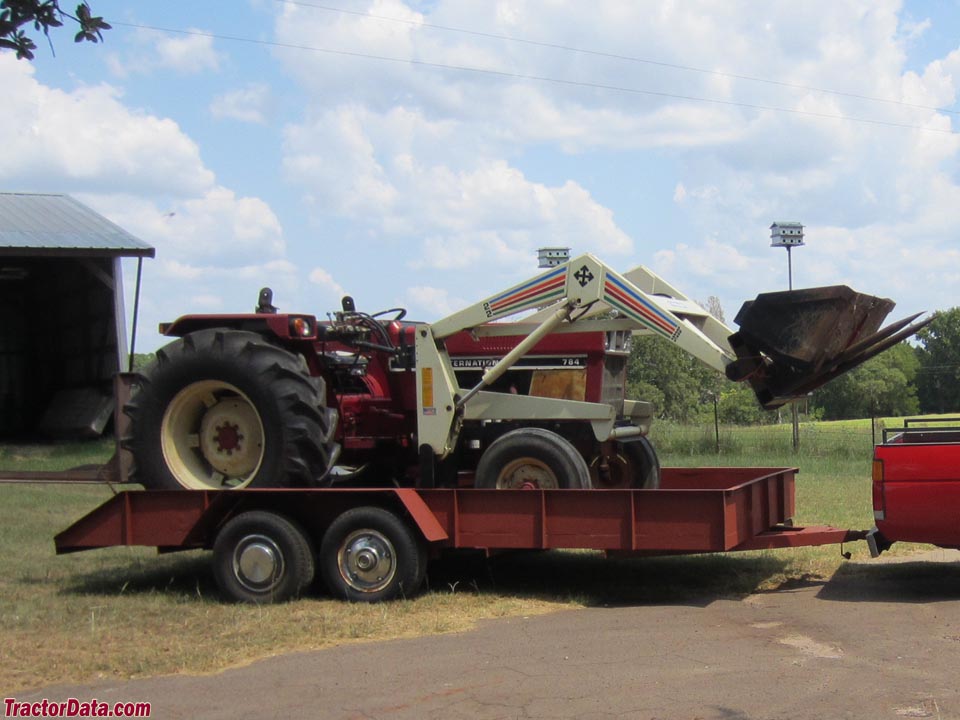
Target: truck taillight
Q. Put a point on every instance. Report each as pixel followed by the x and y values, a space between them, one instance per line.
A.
pixel 879 506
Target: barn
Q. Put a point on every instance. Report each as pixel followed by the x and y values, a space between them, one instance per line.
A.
pixel 63 332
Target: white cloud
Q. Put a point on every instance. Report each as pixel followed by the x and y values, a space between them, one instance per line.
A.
pixel 249 104
pixel 319 276
pixel 187 54
pixel 88 139
pixel 380 171
pixel 216 225
pixel 432 302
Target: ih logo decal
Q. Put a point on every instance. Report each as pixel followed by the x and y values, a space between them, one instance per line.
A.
pixel 583 276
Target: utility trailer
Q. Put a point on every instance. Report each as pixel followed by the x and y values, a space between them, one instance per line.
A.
pixel 374 544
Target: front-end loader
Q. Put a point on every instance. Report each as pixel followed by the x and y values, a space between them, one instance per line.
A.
pixel 270 399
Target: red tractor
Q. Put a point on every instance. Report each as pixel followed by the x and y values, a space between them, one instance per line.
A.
pixel 271 399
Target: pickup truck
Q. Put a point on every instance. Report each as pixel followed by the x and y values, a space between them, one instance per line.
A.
pixel 916 485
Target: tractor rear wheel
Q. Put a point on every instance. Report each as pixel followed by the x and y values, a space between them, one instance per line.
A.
pixel 626 464
pixel 225 409
pixel 532 458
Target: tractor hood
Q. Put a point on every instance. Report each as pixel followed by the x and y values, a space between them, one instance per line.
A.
pixel 791 343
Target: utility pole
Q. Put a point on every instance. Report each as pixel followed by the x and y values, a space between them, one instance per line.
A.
pixel 789 234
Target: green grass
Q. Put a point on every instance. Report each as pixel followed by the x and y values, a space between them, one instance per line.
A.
pixel 124 612
pixel 48 457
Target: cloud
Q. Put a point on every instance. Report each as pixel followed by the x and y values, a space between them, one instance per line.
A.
pixel 250 104
pixel 319 276
pixel 187 54
pixel 432 303
pixel 88 139
pixel 383 171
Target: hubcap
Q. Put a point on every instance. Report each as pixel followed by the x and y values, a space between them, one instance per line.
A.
pixel 367 561
pixel 258 563
pixel 212 437
pixel 527 473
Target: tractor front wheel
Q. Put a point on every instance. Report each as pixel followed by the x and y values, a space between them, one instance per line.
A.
pixel 532 458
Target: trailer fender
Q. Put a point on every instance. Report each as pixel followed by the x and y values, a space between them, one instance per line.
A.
pixel 421 515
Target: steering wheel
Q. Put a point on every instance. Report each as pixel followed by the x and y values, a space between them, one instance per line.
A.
pixel 401 313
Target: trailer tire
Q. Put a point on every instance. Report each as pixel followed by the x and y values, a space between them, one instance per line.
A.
pixel 262 557
pixel 368 554
pixel 226 409
pixel 633 465
pixel 532 458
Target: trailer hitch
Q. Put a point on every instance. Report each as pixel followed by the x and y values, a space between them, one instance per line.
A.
pixel 792 342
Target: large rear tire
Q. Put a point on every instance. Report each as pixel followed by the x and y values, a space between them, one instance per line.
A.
pixel 532 458
pixel 225 409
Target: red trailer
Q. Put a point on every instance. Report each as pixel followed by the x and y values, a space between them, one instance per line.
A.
pixel 374 544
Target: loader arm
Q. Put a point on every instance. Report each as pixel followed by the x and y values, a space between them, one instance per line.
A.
pixel 573 295
pixel 789 343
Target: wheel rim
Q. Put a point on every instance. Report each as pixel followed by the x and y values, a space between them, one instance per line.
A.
pixel 212 437
pixel 258 563
pixel 618 474
pixel 367 561
pixel 527 473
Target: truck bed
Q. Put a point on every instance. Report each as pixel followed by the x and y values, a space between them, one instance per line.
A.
pixel 695 510
pixel 916 486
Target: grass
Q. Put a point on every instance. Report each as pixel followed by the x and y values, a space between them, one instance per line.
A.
pixel 126 612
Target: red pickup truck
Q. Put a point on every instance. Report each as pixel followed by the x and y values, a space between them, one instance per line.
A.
pixel 916 486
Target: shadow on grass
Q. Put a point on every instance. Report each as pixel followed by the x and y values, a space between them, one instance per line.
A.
pixel 178 575
pixel 594 580
pixel 901 582
pixel 586 578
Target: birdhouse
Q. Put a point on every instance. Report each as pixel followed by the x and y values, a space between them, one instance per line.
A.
pixel 552 256
pixel 786 234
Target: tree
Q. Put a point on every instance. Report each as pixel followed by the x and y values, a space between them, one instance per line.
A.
pixel 674 381
pixel 884 385
pixel 44 15
pixel 938 385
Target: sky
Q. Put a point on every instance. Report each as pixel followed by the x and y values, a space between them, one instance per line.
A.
pixel 417 154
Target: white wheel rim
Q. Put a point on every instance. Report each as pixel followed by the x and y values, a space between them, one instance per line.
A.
pixel 212 437
pixel 527 472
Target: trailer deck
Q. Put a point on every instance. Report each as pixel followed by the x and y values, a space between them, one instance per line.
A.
pixel 696 510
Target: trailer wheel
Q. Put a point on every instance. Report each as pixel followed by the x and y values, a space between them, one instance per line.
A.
pixel 368 554
pixel 532 458
pixel 262 557
pixel 632 463
pixel 225 409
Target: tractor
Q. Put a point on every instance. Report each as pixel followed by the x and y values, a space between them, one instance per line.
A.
pixel 269 399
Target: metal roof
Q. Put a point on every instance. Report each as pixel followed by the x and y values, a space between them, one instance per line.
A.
pixel 46 224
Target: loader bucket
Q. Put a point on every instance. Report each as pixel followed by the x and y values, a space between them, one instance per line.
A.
pixel 791 343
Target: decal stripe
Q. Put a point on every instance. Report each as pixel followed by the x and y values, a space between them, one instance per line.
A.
pixel 621 297
pixel 536 281
pixel 531 293
pixel 643 310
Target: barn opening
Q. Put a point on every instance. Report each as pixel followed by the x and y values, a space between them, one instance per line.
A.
pixel 63 332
